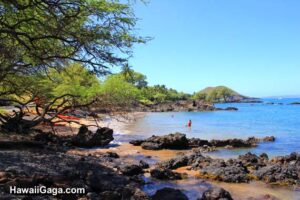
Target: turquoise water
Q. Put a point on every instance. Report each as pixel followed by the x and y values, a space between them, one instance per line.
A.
pixel 259 119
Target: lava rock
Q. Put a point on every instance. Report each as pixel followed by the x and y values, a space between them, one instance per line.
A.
pixel 278 174
pixel 131 170
pixel 143 164
pixel 175 163
pixel 86 138
pixel 295 103
pixel 165 174
pixel 253 161
pixel 111 155
pixel 231 108
pixel 237 143
pixel 169 194
pixel 170 141
pixel 269 139
pixel 230 171
pixel 136 142
pixel 197 142
pixel 216 193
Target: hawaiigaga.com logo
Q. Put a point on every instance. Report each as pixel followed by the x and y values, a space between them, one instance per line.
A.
pixel 43 190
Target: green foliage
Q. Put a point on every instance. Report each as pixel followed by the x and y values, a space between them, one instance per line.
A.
pixel 73 79
pixel 40 37
pixel 129 83
pixel 215 94
pixel 161 94
pixel 41 34
pixel 116 91
pixel 2 111
pixel 135 78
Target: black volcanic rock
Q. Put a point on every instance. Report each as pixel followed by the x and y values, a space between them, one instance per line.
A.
pixel 179 141
pixel 171 141
pixel 231 108
pixel 294 103
pixel 216 193
pixel 165 174
pixel 87 138
pixel 131 170
pixel 169 194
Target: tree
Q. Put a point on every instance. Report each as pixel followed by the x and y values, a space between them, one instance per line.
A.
pixel 200 96
pixel 224 93
pixel 74 80
pixel 216 94
pixel 40 36
pixel 74 87
pixel 139 80
pixel 127 72
pixel 212 96
pixel 117 94
pixel 133 77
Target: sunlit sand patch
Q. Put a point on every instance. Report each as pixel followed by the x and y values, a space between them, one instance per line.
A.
pixel 239 190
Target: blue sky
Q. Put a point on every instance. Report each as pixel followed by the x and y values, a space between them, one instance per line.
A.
pixel 252 46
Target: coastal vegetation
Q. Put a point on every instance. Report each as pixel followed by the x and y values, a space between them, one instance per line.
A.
pixel 41 39
pixel 218 94
pixel 57 55
pixel 56 73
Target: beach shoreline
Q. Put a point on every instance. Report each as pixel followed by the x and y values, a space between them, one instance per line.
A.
pixel 191 185
pixel 132 154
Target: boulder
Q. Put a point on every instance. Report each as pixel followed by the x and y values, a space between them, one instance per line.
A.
pixel 231 108
pixel 143 164
pixel 295 103
pixel 278 174
pixel 111 155
pixel 165 174
pixel 175 163
pixel 230 171
pixel 170 141
pixel 131 170
pixel 86 138
pixel 268 139
pixel 179 141
pixel 216 193
pixel 205 149
pixel 253 161
pixel 197 142
pixel 136 142
pixel 139 195
pixel 169 194
pixel 270 103
pixel 152 146
pixel 237 143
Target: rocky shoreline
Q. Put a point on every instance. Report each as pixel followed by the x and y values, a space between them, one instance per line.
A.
pixel 181 106
pixel 179 141
pixel 43 159
pixel 282 170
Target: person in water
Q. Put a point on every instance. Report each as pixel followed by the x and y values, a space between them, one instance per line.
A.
pixel 189 123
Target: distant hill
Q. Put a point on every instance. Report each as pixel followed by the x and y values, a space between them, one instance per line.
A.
pixel 211 89
pixel 223 94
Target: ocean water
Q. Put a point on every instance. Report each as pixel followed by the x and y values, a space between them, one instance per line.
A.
pixel 252 119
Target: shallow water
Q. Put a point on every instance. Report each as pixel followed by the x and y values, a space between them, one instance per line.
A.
pixel 192 186
pixel 194 189
pixel 258 119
